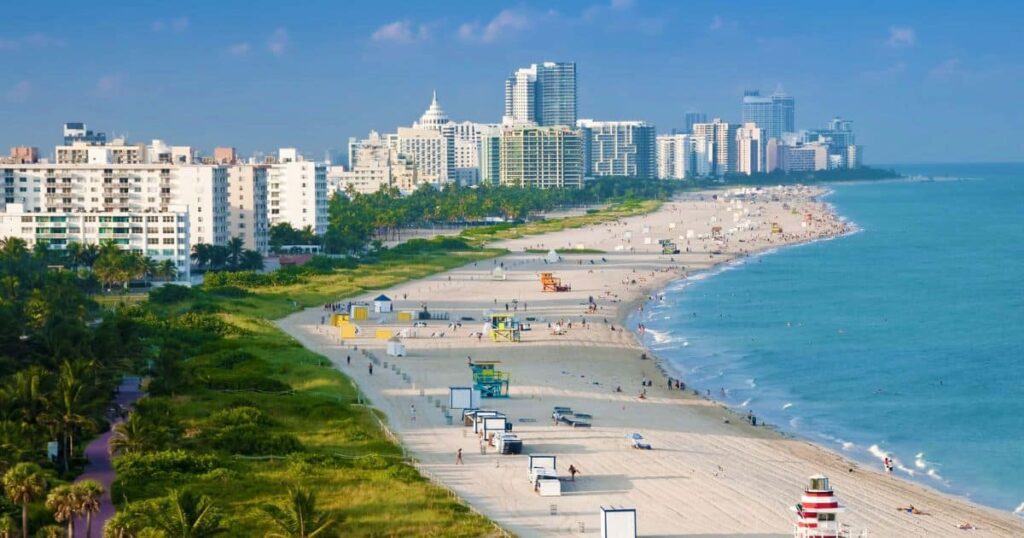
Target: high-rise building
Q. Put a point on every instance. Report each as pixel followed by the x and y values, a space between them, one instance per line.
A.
pixel 297 191
pixel 375 164
pixel 224 156
pixel 430 144
pixel 541 157
pixel 468 146
pixel 776 114
pixel 77 131
pixel 691 118
pixel 24 155
pixel 675 156
pixel 720 140
pixel 618 148
pixel 544 94
pixel 247 205
pixel 750 149
pixel 839 137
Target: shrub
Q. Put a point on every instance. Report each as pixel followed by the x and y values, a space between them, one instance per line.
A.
pixel 233 292
pixel 169 294
pixel 202 322
pixel 371 462
pixel 147 466
pixel 239 416
pixel 243 381
pixel 403 473
pixel 254 440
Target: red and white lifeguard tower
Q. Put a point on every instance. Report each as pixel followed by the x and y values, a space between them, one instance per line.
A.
pixel 816 513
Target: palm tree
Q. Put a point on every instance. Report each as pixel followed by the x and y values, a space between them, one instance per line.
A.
pixel 7 526
pixel 167 270
pixel 74 251
pixel 251 261
pixel 218 256
pixel 64 502
pixel 50 531
pixel 131 436
pixel 189 515
pixel 90 500
pixel 235 247
pixel 90 253
pixel 23 484
pixel 71 399
pixel 201 254
pixel 300 518
pixel 150 267
pixel 13 247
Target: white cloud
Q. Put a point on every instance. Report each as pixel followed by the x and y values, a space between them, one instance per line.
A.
pixel 278 42
pixel 36 40
pixel 401 32
pixel 20 92
pixel 901 36
pixel 946 69
pixel 504 24
pixel 108 86
pixel 239 49
pixel 177 25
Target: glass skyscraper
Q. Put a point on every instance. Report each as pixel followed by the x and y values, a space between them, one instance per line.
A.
pixel 544 94
pixel 775 114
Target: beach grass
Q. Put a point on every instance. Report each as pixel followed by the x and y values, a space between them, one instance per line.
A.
pixel 498 232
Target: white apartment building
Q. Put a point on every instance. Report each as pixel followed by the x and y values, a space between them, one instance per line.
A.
pixel 750 149
pixel 374 163
pixel 722 138
pixel 618 148
pixel 541 157
pixel 429 151
pixel 120 152
pixel 247 205
pixel 297 191
pixel 675 156
pixel 158 234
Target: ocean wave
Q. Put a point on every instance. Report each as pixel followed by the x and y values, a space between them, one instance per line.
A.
pixel 1019 511
pixel 787 405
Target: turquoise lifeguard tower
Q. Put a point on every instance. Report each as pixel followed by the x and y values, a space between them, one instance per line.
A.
pixel 491 382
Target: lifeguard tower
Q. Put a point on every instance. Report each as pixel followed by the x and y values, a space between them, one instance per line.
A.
pixel 504 327
pixel 550 283
pixel 491 382
pixel 817 510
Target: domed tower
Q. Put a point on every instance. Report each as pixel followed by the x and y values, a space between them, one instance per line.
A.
pixel 434 117
pixel 816 513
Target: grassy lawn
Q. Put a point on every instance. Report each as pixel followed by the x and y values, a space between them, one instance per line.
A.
pixel 336 448
pixel 500 232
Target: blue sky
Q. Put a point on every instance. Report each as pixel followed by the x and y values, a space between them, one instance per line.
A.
pixel 923 81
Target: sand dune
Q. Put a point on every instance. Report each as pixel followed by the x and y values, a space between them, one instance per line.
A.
pixel 710 473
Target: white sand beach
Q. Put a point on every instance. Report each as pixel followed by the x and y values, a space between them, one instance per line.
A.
pixel 710 473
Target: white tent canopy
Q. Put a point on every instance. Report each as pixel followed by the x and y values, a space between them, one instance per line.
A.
pixel 552 257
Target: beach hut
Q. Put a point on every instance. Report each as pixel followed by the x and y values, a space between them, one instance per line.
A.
pixel 382 334
pixel 395 347
pixel 817 510
pixel 359 312
pixel 552 257
pixel 382 304
pixel 348 329
pixel 499 273
pixel 463 398
pixel 618 522
pixel 406 315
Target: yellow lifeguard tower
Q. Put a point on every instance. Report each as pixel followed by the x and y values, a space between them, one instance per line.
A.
pixel 776 228
pixel 504 328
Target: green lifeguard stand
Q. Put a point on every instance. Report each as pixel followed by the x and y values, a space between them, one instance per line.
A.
pixel 491 382
pixel 505 328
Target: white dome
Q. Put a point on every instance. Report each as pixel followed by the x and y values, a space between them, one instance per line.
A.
pixel 434 117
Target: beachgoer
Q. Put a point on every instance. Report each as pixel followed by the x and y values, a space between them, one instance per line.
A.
pixel 458 457
pixel 348 360
pixel 371 368
pixel 412 412
pixel 573 471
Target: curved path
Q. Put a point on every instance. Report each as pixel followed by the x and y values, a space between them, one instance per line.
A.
pixel 100 467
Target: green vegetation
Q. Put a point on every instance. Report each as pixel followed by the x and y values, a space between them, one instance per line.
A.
pixel 864 173
pixel 230 257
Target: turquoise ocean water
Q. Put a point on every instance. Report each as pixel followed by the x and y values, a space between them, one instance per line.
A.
pixel 905 337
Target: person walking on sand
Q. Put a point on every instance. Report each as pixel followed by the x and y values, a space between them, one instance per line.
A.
pixel 370 368
pixel 573 471
pixel 412 412
pixel 348 360
pixel 458 457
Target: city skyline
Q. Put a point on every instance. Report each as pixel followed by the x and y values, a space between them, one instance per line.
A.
pixel 264 77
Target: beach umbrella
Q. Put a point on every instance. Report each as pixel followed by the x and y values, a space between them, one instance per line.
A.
pixel 634 436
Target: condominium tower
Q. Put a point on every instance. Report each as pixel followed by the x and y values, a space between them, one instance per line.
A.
pixel 544 94
pixel 776 114
pixel 618 148
pixel 542 157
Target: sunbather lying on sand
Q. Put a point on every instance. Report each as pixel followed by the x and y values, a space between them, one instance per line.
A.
pixel 911 510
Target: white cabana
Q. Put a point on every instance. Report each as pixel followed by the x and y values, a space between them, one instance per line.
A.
pixel 383 304
pixel 395 347
pixel 499 273
pixel 552 257
pixel 618 522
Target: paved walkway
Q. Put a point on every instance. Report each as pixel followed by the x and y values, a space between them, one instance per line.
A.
pixel 99 467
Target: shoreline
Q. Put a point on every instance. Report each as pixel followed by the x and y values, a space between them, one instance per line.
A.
pixel 703 462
